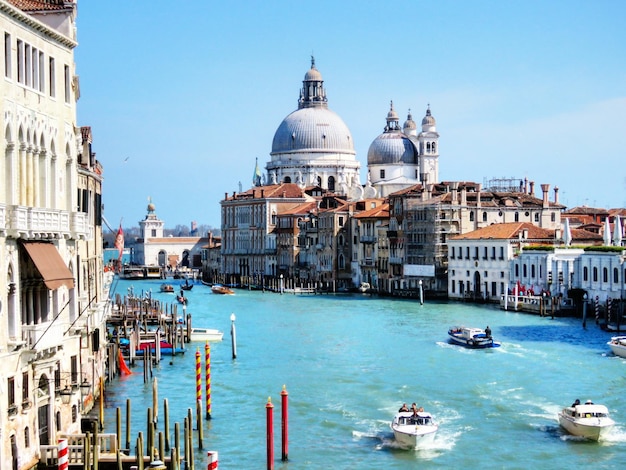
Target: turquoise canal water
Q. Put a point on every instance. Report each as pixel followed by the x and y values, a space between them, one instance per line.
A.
pixel 348 363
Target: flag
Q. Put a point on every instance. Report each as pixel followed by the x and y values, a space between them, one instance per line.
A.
pixel 119 242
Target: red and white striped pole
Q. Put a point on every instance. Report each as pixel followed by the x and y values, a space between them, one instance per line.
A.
pixel 63 456
pixel 269 411
pixel 198 377
pixel 284 399
pixel 207 355
pixel 213 462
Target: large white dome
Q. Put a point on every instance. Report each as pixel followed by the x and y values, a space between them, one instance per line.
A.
pixel 313 130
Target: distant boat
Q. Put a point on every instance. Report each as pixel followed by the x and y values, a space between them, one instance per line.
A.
pixel 182 299
pixel 471 337
pixel 205 334
pixel 167 288
pixel 186 285
pixel 221 289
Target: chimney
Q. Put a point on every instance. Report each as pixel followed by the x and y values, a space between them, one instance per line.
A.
pixel 262 193
pixel 545 188
pixel 532 188
pixel 455 191
pixel 556 194
pixel 429 190
pixel 526 185
pixel 478 189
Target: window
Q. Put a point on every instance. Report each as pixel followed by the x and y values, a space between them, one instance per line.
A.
pixel 605 275
pixel 452 253
pixel 7 55
pixel 484 216
pixel 615 275
pixel 553 217
pixel 25 387
pixel 536 216
pixel 52 74
pixel 532 271
pixel 26 437
pixel 486 249
pixel 20 61
pixel 524 271
pixel 341 221
pixel 66 79
pixel 595 274
pixel 501 252
pixel 517 217
pixel 493 252
pixel 517 270
pixel 382 174
pixel 475 252
pixel 467 255
pixel 471 215
pixel 585 273
pixel 331 183
pixel 11 395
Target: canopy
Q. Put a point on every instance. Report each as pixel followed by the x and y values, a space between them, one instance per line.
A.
pixel 50 265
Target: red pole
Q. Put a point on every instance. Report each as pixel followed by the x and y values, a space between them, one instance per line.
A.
pixel 269 409
pixel 198 377
pixel 207 354
pixel 284 398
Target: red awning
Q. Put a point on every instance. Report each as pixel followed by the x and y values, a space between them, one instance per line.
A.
pixel 50 265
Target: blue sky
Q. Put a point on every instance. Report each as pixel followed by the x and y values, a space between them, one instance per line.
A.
pixel 182 97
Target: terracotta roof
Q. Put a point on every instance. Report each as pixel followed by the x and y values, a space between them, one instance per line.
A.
pixel 300 209
pixel 584 210
pixel 283 190
pixel 508 231
pixel 379 212
pixel 580 235
pixel 39 5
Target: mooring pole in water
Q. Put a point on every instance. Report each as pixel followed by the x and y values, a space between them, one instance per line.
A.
pixel 284 399
pixel 198 376
pixel 207 358
pixel 128 424
pixel 269 411
pixel 213 461
pixel 199 421
pixel 421 293
pixel 166 430
pixel 233 335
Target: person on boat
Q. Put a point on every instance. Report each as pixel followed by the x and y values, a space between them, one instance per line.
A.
pixel 576 403
pixel 414 409
pixel 404 407
pixel 588 402
pixel 488 331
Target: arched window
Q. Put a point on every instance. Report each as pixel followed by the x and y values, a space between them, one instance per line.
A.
pixel 615 275
pixel 605 275
pixel 427 147
pixel 532 271
pixel 585 273
pixel 319 181
pixel 536 216
pixel 525 270
pixel 287 179
pixel 331 183
pixel 433 147
pixel 517 217
pixel 485 216
pixel 471 217
pixel 517 270
pixel 341 262
pixel 595 274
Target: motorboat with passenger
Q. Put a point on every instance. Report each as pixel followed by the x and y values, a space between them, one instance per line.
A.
pixel 221 289
pixel 414 430
pixel 589 420
pixel 472 337
pixel 169 288
pixel 618 345
pixel 205 334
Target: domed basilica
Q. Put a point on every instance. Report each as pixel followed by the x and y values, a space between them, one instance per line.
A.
pixel 313 147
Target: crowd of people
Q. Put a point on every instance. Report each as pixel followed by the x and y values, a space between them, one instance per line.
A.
pixel 413 409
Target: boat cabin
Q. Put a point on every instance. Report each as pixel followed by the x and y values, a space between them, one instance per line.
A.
pixel 408 419
pixel 587 411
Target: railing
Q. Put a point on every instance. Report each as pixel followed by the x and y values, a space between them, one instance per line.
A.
pixel 44 335
pixel 368 239
pixel 76 448
pixel 41 222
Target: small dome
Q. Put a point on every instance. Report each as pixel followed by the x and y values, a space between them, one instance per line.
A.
pixel 390 148
pixel 151 207
pixel 313 75
pixel 409 123
pixel 429 120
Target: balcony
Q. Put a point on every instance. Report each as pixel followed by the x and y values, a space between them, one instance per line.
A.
pixel 44 335
pixel 395 260
pixel 36 222
pixel 368 239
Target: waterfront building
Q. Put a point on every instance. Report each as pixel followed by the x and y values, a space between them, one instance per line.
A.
pixel 153 248
pixel 52 289
pixel 212 258
pixel 366 227
pixel 601 274
pixel 424 217
pixel 400 158
pixel 249 223
pixel 479 261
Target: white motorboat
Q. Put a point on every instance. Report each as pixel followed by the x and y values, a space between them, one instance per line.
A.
pixel 205 334
pixel 472 337
pixel 618 345
pixel 365 287
pixel 589 421
pixel 414 430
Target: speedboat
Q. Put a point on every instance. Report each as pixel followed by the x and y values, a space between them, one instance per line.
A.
pixel 221 289
pixel 414 430
pixel 472 337
pixel 589 421
pixel 618 345
pixel 365 287
pixel 205 334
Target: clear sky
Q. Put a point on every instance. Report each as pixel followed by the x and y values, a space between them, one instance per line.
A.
pixel 182 97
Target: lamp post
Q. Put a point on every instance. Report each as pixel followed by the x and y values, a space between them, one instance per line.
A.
pixel 585 310
pixel 421 293
pixel 66 395
pixel 281 284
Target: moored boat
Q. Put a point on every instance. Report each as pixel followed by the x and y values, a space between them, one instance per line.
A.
pixel 618 345
pixel 472 337
pixel 589 421
pixel 205 334
pixel 414 430
pixel 221 289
